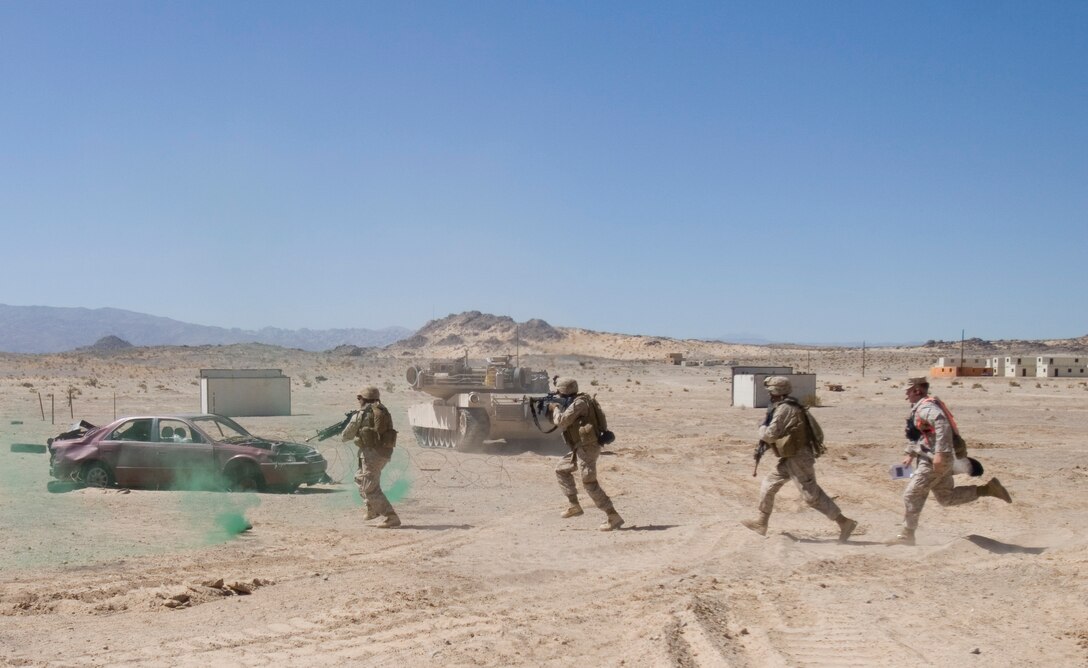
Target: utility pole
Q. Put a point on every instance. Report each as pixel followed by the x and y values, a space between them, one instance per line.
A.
pixel 960 370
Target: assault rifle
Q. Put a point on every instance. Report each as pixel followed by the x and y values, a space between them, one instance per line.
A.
pixel 539 406
pixel 758 455
pixel 333 429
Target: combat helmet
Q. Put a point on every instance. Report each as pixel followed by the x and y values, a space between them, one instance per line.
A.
pixel 566 386
pixel 370 393
pixel 778 386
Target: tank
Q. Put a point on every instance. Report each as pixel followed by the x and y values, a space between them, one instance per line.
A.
pixel 471 406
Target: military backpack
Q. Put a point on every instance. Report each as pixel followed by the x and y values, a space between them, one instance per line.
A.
pixel 815 431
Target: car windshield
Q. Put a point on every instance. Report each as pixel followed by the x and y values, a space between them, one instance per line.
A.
pixel 223 429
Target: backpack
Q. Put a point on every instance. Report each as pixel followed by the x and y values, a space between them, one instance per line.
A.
pixel 371 434
pixel 388 438
pixel 600 422
pixel 815 431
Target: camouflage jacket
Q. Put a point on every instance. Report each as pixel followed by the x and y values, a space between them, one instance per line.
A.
pixel 576 423
pixel 368 425
pixel 787 431
pixel 936 427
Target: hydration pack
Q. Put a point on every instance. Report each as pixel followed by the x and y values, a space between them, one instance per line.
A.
pixel 815 431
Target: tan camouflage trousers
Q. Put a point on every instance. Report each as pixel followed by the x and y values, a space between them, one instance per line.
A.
pixel 584 460
pixel 943 487
pixel 801 469
pixel 369 478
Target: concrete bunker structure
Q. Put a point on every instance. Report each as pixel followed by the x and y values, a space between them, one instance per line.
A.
pixel 748 390
pixel 245 392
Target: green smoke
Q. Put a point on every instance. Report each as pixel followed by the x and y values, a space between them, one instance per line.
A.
pixel 395 479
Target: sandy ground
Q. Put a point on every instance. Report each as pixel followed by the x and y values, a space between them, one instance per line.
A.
pixel 485 572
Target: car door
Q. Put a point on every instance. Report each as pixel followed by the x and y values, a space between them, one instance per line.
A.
pixel 186 458
pixel 136 462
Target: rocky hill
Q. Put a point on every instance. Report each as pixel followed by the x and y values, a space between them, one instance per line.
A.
pixel 482 335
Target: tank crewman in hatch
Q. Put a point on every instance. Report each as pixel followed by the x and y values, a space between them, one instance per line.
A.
pixel 786 430
pixel 579 425
pixel 931 429
pixel 371 427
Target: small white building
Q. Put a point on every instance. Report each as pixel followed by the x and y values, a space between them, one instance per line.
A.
pixel 245 392
pixel 997 365
pixel 748 390
pixel 1019 367
pixel 1055 366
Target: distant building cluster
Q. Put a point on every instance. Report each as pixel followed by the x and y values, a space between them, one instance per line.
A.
pixel 1012 366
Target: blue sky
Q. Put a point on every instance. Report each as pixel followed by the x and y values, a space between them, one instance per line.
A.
pixel 798 171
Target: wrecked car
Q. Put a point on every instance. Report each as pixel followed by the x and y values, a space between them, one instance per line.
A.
pixel 181 451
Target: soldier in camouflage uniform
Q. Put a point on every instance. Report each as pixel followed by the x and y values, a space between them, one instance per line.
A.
pixel 930 430
pixel 370 428
pixel 580 431
pixel 786 431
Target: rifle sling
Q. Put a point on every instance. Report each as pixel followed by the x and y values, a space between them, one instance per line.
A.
pixel 532 410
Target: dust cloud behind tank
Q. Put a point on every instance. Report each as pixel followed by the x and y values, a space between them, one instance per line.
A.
pixel 473 405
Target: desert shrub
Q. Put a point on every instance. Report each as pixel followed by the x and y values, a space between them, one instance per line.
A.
pixel 27 384
pixel 320 379
pixel 389 386
pixel 594 383
pixel 977 386
pixel 1013 383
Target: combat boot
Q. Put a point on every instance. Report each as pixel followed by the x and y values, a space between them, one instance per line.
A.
pixel 371 514
pixel 614 521
pixel 759 525
pixel 391 522
pixel 904 537
pixel 575 508
pixel 846 527
pixel 995 489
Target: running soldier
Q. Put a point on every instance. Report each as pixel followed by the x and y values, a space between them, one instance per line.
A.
pixel 932 430
pixel 580 427
pixel 787 432
pixel 372 430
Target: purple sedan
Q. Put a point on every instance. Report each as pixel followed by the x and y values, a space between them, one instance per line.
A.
pixel 182 451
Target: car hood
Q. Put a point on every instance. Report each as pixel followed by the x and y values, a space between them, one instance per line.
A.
pixel 278 447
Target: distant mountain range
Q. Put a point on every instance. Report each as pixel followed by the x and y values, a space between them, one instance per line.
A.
pixel 49 329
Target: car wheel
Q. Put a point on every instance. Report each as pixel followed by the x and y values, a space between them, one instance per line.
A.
pixel 97 474
pixel 244 478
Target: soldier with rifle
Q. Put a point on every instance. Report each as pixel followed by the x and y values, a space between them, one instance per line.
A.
pixel 582 422
pixel 786 431
pixel 371 428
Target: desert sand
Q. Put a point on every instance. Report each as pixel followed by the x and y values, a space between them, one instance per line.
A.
pixel 484 571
